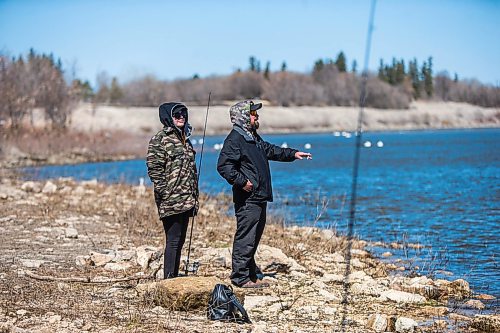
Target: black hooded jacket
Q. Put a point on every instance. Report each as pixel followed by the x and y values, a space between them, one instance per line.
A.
pixel 166 110
pixel 245 158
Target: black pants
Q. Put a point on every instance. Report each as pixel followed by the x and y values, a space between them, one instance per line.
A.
pixel 175 227
pixel 251 220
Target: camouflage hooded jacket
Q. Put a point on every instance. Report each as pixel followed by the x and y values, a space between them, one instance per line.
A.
pixel 171 165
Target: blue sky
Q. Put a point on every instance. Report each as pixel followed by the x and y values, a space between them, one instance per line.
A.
pixel 173 39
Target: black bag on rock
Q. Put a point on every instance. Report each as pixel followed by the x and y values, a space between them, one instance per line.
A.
pixel 224 306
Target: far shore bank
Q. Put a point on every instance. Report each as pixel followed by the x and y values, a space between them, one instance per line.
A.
pixel 107 133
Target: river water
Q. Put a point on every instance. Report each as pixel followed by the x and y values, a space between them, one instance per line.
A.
pixel 437 188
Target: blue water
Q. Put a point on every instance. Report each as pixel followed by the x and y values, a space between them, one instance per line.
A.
pixel 437 188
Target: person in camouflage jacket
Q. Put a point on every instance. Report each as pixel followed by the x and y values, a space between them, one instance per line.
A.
pixel 172 170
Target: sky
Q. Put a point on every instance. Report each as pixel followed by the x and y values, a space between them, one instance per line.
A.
pixel 177 39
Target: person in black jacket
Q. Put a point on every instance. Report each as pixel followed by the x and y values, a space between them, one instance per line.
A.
pixel 243 162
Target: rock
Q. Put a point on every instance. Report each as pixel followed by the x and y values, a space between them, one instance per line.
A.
pixel 334 257
pixel 459 289
pixel 377 322
pixel 31 263
pixel 54 319
pixel 336 278
pixel 49 187
pixel 83 261
pixel 92 182
pixel 184 293
pixel 405 325
pixel 328 295
pixel 386 254
pixel 474 304
pixel 144 254
pixel 31 187
pixel 487 323
pixel 442 325
pixel 116 267
pixel 21 312
pixel 401 297
pixel 124 255
pixel 271 255
pixel 435 311
pixel 101 259
pixel 71 232
pixel 218 257
pixel 252 302
pixel 485 297
pixel 371 289
pixel 360 253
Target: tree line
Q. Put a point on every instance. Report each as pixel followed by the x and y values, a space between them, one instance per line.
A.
pixel 39 81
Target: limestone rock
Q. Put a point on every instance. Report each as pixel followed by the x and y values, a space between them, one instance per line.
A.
pixel 116 267
pixel 83 261
pixel 371 289
pixel 336 278
pixel 101 259
pixel 252 302
pixel 71 232
pixel 31 263
pixel 487 323
pixel 31 187
pixel 401 297
pixel 183 293
pixel 475 304
pixel 124 255
pixel 405 325
pixel 49 187
pixel 267 255
pixel 145 254
pixel 377 322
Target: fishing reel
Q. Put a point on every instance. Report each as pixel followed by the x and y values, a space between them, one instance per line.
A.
pixel 191 267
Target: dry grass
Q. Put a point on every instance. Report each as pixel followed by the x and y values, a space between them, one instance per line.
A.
pixel 121 217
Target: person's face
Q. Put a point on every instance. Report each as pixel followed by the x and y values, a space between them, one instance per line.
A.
pixel 179 117
pixel 254 119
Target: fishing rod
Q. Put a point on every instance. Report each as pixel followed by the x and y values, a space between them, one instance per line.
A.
pixel 194 267
pixel 355 169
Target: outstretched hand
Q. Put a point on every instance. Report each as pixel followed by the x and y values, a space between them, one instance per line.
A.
pixel 301 155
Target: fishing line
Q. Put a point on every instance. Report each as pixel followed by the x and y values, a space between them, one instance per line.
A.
pixel 355 170
pixel 195 265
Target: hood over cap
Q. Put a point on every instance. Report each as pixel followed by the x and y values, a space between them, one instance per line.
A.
pixel 166 110
pixel 240 114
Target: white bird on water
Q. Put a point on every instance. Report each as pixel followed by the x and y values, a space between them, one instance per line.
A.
pixel 380 144
pixel 284 145
pixel 307 146
pixel 367 144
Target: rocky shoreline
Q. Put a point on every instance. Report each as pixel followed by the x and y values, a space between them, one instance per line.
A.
pixel 77 257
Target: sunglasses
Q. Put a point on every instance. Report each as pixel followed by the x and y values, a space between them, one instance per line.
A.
pixel 179 114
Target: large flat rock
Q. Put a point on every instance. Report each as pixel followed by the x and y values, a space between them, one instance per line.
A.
pixel 182 293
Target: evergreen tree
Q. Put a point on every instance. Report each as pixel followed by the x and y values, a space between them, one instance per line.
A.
pixel 318 66
pixel 115 92
pixel 252 60
pixel 196 76
pixel 400 72
pixel 267 71
pixel 381 71
pixel 354 66
pixel 341 62
pixel 455 78
pixel 257 66
pixel 415 78
pixel 283 66
pixel 427 77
